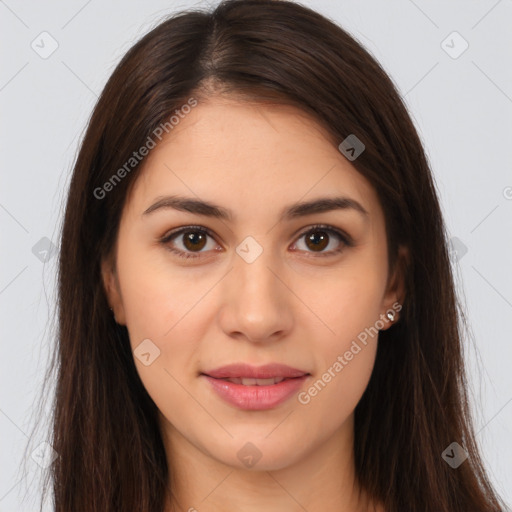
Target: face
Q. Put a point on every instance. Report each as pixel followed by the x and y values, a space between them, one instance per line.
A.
pixel 263 274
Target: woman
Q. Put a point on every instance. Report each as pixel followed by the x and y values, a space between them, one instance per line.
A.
pixel 257 310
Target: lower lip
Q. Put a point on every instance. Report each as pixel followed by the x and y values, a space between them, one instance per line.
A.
pixel 256 398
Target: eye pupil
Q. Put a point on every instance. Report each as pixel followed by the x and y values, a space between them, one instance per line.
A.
pixel 319 242
pixel 192 238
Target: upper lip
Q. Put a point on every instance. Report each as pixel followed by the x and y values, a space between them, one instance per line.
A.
pixel 242 370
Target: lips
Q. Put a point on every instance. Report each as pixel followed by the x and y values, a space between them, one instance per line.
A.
pixel 255 388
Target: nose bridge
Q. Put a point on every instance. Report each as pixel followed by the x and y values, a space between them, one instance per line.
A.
pixel 256 279
pixel 252 265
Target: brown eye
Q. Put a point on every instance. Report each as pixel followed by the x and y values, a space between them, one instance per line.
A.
pixel 189 242
pixel 194 240
pixel 319 238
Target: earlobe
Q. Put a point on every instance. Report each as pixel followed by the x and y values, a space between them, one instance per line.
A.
pixel 395 293
pixel 112 291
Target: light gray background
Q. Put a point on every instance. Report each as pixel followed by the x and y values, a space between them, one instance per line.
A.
pixel 461 106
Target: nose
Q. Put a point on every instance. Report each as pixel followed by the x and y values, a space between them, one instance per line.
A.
pixel 257 304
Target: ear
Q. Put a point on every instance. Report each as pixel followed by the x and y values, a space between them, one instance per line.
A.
pixel 395 293
pixel 112 290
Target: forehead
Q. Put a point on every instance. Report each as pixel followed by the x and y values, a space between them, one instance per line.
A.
pixel 247 155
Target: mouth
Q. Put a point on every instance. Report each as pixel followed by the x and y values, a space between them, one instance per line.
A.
pixel 255 388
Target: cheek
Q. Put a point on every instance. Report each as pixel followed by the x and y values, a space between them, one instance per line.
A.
pixel 347 300
pixel 332 396
pixel 169 307
pixel 348 303
pixel 156 295
pixel 345 359
pixel 159 307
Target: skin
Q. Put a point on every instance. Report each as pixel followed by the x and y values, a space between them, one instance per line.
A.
pixel 291 305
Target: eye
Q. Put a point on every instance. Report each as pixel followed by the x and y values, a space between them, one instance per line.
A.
pixel 319 237
pixel 189 240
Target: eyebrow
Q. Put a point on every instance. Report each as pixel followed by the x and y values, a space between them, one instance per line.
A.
pixel 208 209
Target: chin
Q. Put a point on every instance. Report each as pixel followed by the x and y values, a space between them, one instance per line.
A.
pixel 253 454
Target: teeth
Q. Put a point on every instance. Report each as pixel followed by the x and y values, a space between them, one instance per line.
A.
pixel 256 382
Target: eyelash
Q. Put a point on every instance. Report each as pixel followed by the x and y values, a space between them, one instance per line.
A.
pixel 346 240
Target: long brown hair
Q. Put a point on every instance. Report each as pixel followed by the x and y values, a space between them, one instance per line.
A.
pixel 105 431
